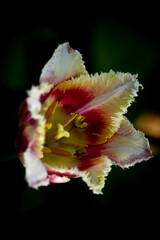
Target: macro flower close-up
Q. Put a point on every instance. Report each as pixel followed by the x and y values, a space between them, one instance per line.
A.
pixel 72 124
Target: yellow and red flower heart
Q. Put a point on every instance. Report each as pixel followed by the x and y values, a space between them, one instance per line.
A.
pixel 72 124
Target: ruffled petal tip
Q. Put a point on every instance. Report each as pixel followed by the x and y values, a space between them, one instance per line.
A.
pixel 63 65
pixel 128 146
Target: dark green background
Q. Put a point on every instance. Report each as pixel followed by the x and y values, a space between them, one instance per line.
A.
pixel 109 37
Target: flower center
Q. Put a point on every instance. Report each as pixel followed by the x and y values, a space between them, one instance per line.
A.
pixel 57 132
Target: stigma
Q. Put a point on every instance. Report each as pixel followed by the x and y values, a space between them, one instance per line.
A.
pixel 61 132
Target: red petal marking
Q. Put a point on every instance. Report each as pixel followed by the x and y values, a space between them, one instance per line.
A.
pixel 66 174
pixel 21 140
pixel 24 114
pixel 85 164
pixel 51 110
pixel 96 124
pixel 91 158
pixel 73 98
pixel 94 151
pixel 45 95
pixel 90 163
pixel 26 135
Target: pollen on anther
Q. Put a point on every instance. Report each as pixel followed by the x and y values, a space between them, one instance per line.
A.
pixel 46 150
pixel 48 126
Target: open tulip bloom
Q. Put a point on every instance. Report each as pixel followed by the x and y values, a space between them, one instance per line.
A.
pixel 73 125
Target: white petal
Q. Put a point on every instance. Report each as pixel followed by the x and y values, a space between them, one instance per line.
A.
pixel 95 177
pixel 63 65
pixel 128 146
pixel 36 174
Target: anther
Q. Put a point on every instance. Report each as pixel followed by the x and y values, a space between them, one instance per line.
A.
pixel 69 120
pixel 48 126
pixel 51 110
pixel 78 122
pixel 81 152
pixel 46 150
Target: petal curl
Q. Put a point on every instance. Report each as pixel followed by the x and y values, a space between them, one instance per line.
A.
pixel 128 146
pixel 101 99
pixel 64 64
pixel 57 179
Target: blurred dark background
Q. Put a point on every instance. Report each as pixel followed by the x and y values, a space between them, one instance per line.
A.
pixel 123 38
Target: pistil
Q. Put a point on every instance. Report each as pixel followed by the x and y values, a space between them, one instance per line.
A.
pixel 61 132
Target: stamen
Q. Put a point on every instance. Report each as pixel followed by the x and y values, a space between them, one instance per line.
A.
pixel 48 126
pixel 81 152
pixel 68 121
pixel 79 122
pixel 83 125
pixel 46 150
pixel 61 132
pixel 57 151
pixel 51 110
pixel 61 152
pixel 76 145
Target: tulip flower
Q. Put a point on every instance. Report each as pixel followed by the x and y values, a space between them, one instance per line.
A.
pixel 73 125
